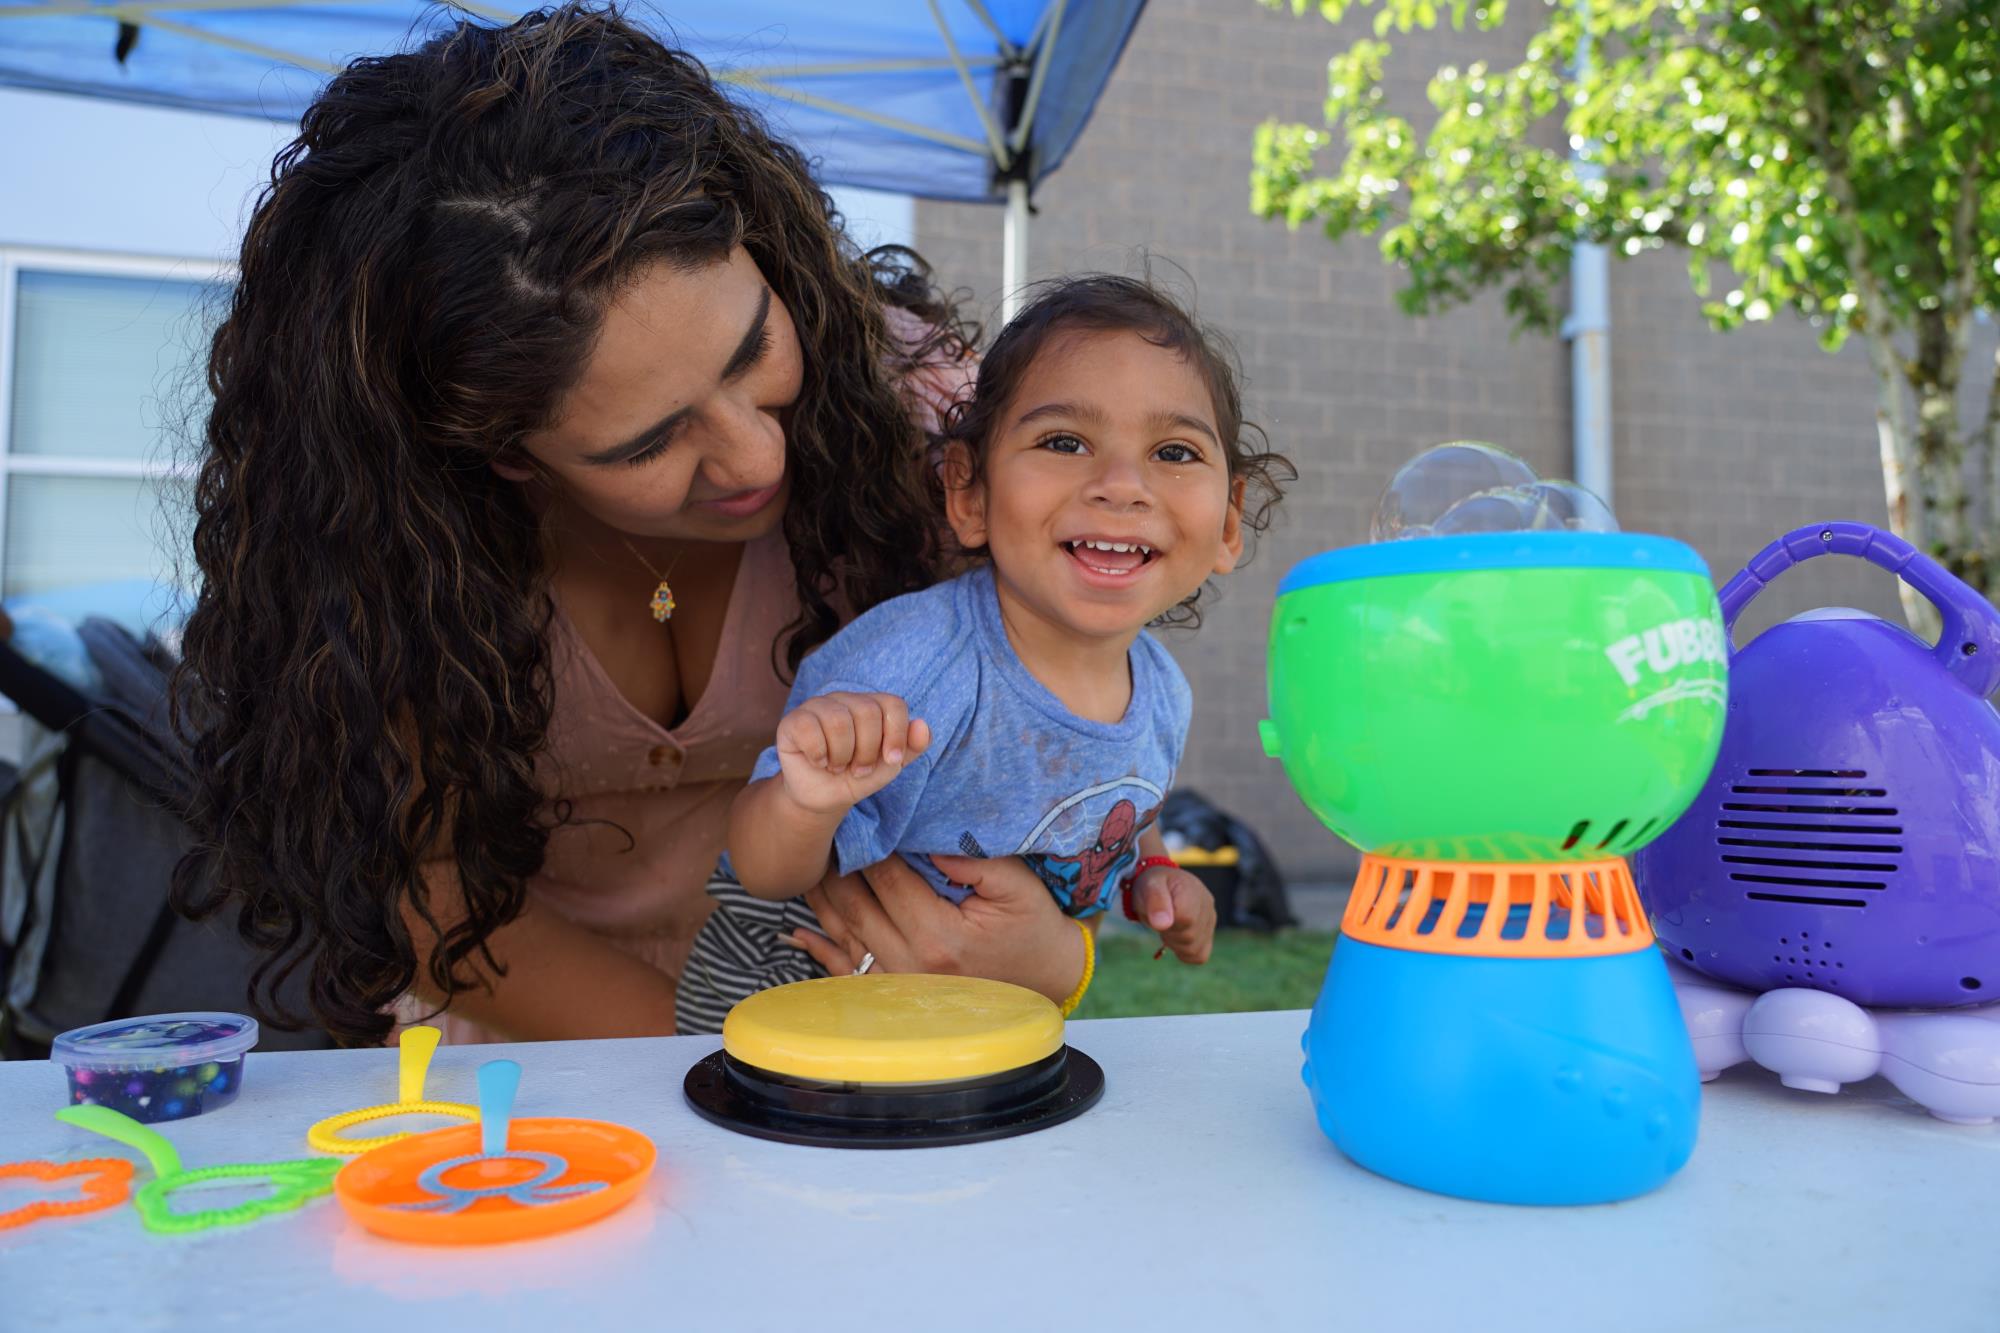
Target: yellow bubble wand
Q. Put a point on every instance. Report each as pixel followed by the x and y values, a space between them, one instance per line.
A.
pixel 413 1061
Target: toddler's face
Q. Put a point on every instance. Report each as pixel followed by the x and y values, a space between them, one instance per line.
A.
pixel 1106 498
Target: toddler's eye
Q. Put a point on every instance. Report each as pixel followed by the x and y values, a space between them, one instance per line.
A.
pixel 1177 452
pixel 1063 444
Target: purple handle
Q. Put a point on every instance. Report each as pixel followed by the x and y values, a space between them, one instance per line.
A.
pixel 1969 648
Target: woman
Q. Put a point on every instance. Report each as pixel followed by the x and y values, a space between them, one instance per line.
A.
pixel 555 421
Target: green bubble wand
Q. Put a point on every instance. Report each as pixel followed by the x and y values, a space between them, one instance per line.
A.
pixel 292 1183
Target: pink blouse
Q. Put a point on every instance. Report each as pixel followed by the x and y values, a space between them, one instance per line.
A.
pixel 649 806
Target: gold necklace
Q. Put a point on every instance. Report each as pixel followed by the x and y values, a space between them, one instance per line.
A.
pixel 662 604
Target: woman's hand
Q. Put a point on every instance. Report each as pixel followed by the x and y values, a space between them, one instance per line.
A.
pixel 1010 929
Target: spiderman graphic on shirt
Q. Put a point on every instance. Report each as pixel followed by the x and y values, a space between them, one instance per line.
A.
pixel 1079 880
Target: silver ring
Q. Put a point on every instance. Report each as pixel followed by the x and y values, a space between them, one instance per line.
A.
pixel 867 961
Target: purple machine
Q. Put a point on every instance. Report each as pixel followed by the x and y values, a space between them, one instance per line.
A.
pixel 1844 858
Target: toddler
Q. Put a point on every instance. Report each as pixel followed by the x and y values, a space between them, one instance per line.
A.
pixel 1097 476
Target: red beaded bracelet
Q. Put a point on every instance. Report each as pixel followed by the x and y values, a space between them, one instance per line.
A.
pixel 1125 890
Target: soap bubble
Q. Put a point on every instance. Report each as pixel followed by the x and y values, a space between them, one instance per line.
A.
pixel 1439 478
pixel 1508 509
pixel 1469 487
pixel 1566 505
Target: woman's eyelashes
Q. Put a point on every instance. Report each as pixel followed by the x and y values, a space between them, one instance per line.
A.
pixel 653 450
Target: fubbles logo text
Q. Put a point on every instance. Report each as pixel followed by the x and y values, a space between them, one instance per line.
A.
pixel 1665 650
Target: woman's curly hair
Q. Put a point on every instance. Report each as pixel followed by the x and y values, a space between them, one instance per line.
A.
pixel 366 675
pixel 1116 303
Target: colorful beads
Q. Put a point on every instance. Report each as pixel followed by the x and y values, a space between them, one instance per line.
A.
pixel 168 1092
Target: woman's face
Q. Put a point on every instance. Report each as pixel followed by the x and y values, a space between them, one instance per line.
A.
pixel 677 426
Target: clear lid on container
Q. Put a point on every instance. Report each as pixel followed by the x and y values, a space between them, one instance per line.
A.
pixel 156 1040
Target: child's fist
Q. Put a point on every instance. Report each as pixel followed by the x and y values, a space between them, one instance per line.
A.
pixel 838 749
pixel 1180 907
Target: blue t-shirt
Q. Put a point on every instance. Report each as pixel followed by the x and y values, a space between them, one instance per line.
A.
pixel 1010 770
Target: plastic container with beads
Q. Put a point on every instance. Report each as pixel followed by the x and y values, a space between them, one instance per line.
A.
pixel 159 1067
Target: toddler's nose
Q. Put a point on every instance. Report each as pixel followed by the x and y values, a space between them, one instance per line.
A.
pixel 1119 483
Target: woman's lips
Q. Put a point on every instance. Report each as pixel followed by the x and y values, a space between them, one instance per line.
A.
pixel 743 503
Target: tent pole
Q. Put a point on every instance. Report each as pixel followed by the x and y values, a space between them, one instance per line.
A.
pixel 1014 250
pixel 1588 329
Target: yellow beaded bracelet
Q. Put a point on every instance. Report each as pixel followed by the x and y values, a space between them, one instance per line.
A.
pixel 1089 970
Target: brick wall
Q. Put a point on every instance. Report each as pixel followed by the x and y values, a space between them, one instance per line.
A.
pixel 1724 441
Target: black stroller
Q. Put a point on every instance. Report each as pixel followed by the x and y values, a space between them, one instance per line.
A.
pixel 91 840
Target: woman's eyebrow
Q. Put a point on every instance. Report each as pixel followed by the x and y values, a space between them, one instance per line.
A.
pixel 639 443
pixel 746 351
pixel 739 361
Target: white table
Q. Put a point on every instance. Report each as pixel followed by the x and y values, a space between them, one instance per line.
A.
pixel 1198 1194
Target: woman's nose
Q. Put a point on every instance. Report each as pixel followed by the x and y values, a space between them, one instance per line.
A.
pixel 748 448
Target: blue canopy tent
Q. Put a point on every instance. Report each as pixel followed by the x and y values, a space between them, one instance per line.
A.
pixel 970 100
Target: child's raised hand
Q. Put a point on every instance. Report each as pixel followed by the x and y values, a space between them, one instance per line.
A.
pixel 1180 907
pixel 837 749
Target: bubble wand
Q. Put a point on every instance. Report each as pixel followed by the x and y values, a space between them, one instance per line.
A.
pixel 413 1056
pixel 293 1182
pixel 502 1179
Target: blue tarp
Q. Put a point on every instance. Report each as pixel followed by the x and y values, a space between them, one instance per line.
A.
pixel 247 61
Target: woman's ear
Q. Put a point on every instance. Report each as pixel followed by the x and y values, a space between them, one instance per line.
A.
pixel 964 496
pixel 516 467
pixel 1231 549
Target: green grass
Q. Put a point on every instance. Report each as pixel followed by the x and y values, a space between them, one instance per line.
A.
pixel 1249 970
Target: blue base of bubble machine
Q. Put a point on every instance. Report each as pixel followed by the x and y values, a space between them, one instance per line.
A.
pixel 1507 1080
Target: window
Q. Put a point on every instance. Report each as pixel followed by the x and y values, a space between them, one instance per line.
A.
pixel 101 364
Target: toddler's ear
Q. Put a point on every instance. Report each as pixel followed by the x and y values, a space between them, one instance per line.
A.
pixel 964 496
pixel 1230 549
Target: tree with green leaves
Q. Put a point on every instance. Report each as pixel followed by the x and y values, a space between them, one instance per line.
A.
pixel 1840 157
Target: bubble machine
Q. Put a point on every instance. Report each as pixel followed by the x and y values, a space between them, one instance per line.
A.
pixel 1842 865
pixel 1495 719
